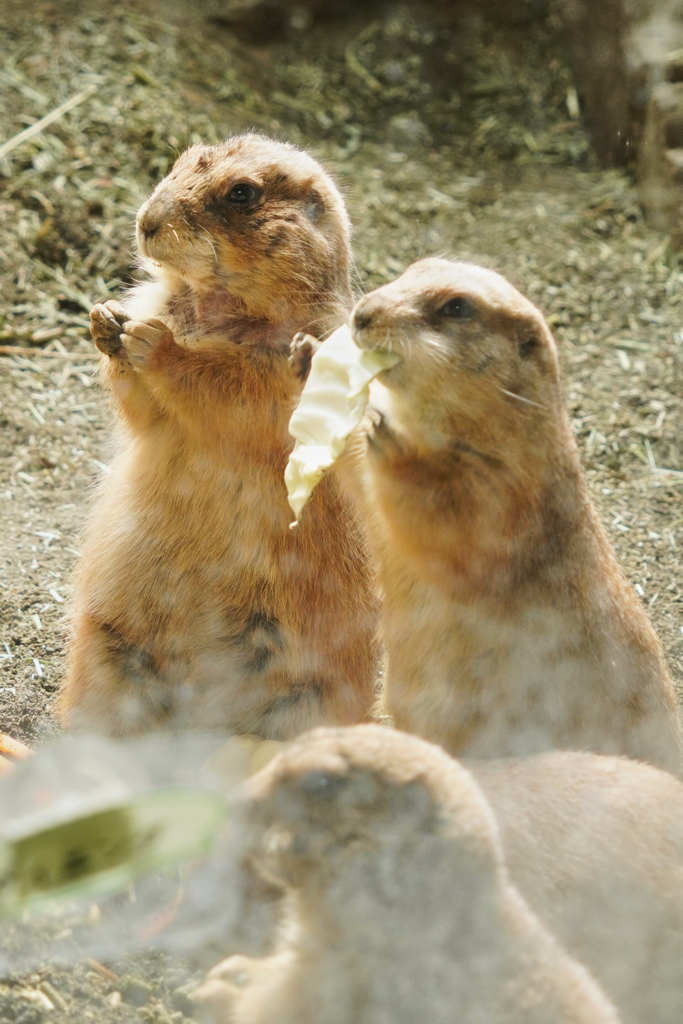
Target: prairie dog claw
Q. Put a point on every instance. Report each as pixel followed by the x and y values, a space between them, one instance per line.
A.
pixel 381 438
pixel 106 325
pixel 141 339
pixel 301 351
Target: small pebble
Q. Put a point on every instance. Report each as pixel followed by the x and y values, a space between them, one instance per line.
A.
pixel 136 992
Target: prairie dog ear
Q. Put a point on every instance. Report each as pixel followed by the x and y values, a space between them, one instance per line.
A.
pixel 314 207
pixel 529 337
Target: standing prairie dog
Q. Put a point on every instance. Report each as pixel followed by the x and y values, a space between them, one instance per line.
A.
pixel 508 623
pixel 194 603
pixel 400 905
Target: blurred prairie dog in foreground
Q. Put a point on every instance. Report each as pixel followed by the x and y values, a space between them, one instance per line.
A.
pixel 595 845
pixel 509 625
pixel 399 905
pixel 194 604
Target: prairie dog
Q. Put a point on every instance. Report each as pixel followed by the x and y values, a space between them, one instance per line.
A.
pixel 194 603
pixel 595 845
pixel 509 625
pixel 401 908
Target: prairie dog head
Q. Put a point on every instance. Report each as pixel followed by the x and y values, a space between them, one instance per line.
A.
pixel 474 351
pixel 335 793
pixel 254 218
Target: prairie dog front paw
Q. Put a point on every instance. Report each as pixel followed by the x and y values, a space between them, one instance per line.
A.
pixel 382 440
pixel 220 990
pixel 106 326
pixel 142 339
pixel 301 350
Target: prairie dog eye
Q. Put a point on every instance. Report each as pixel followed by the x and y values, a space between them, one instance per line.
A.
pixel 243 193
pixel 458 308
pixel 322 784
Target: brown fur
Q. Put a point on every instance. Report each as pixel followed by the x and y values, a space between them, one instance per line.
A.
pixel 508 623
pixel 195 603
pixel 401 909
pixel 595 845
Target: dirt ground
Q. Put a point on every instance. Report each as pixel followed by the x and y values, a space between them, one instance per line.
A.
pixel 463 143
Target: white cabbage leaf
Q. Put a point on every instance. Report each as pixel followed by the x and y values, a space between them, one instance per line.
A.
pixel 332 404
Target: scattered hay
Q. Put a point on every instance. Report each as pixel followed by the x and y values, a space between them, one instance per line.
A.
pixel 466 144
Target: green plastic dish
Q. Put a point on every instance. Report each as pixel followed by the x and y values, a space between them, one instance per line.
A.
pixel 106 848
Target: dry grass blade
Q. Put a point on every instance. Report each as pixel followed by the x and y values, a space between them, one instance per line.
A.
pixel 54 115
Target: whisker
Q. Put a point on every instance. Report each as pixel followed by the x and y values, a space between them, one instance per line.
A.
pixel 520 398
pixel 212 245
pixel 433 349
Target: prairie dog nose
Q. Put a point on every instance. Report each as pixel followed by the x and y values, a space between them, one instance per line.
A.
pixel 364 316
pixel 154 213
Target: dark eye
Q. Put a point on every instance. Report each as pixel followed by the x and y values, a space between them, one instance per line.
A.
pixel 243 194
pixel 458 309
pixel 322 784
